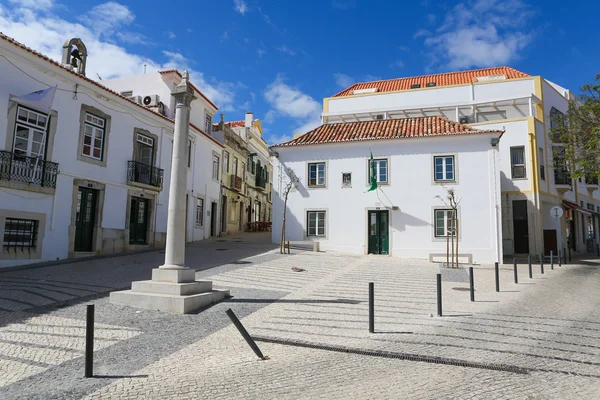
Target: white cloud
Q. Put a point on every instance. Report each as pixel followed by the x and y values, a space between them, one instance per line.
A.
pixel 291 102
pixel 46 32
pixel 277 139
pixel 261 52
pixel 170 35
pixel 33 4
pixel 269 117
pixel 286 50
pixel 343 80
pixel 106 18
pixel 398 64
pixel 481 33
pixel 240 6
pixel 404 48
pixel 343 4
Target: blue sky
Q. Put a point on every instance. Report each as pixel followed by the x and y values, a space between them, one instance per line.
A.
pixel 279 58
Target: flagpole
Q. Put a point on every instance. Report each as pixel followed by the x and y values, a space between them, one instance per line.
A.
pixel 44 136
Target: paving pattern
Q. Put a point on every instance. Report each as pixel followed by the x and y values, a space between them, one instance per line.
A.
pixel 548 326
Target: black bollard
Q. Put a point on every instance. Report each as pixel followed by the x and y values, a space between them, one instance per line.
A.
pixel 89 342
pixel 565 255
pixel 515 270
pixel 439 294
pixel 530 271
pixel 551 260
pixel 598 249
pixel 371 307
pixel 559 258
pixel 570 259
pixel 542 263
pixel 245 334
pixel 471 284
pixel 497 277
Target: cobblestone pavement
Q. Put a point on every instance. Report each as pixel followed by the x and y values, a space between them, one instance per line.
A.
pixel 549 325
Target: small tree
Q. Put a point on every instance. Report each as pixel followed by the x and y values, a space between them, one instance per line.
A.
pixel 452 202
pixel 578 134
pixel 291 182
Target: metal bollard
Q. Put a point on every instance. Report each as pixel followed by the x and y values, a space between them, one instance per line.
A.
pixel 515 270
pixel 598 249
pixel 565 255
pixel 89 342
pixel 551 260
pixel 570 259
pixel 471 284
pixel 497 277
pixel 542 263
pixel 245 334
pixel 439 294
pixel 371 307
pixel 530 270
pixel 559 258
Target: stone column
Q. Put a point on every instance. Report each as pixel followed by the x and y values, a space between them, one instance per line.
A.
pixel 175 247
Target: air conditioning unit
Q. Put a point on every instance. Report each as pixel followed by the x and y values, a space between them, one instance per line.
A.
pixel 137 99
pixel 159 108
pixel 467 119
pixel 152 100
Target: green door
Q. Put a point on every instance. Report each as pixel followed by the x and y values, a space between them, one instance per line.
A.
pixel 379 240
pixel 85 219
pixel 138 221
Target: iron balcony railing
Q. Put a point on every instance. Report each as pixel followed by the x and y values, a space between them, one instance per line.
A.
pixel 236 182
pixel 261 182
pixel 31 170
pixel 144 173
pixel 562 177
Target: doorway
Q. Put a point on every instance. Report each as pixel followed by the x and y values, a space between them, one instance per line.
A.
pixel 213 219
pixel 379 240
pixel 521 227
pixel 224 215
pixel 85 219
pixel 138 221
pixel 550 242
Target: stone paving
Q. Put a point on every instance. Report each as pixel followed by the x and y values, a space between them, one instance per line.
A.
pixel 549 325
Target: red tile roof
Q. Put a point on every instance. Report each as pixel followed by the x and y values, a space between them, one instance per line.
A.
pixel 236 124
pixel 98 85
pixel 444 79
pixel 404 128
pixel 174 71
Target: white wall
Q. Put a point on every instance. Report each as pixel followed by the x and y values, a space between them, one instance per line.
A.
pixel 412 189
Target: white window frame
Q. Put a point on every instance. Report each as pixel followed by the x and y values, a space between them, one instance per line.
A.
pixel 39 125
pixel 208 123
pixel 225 161
pixel 318 176
pixel 215 167
pixel 446 223
pixel 444 159
pixel 320 217
pixel 96 124
pixel 512 166
pixel 199 211
pixel 378 170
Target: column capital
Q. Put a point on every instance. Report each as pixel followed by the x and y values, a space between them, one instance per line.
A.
pixel 184 92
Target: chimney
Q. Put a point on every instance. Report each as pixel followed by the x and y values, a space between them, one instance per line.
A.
pixel 249 119
pixel 222 123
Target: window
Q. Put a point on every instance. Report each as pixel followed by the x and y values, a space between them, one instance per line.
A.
pixel 234 170
pixel 30 132
pixel 316 223
pixel 144 149
pixel 215 170
pixel 208 124
pixel 189 153
pixel 444 223
pixel 20 233
pixel 517 162
pixel 316 174
pixel 199 211
pixel 430 84
pixel 415 86
pixel 542 166
pixel 93 137
pixel 226 161
pixel 381 170
pixel 444 168
pixel 243 172
pixel 346 179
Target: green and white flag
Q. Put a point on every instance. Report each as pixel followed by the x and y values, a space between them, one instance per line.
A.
pixel 372 175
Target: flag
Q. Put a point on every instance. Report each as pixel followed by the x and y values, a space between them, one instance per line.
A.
pixel 40 100
pixel 372 175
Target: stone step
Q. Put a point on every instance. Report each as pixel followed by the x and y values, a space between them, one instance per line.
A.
pixel 166 302
pixel 176 289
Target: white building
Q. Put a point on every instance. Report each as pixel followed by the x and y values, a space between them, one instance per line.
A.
pixel 496 99
pixel 416 160
pixel 91 176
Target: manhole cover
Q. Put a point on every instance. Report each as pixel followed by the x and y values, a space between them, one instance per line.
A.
pixel 242 262
pixel 221 249
pixel 461 289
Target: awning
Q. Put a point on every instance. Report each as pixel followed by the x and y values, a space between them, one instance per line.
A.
pixel 574 206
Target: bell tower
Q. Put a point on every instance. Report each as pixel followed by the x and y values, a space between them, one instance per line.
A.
pixel 74 55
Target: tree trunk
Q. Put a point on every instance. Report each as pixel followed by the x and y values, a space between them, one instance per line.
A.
pixel 282 244
pixel 456 229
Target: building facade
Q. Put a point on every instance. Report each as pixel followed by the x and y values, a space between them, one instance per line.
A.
pixel 534 178
pixel 415 162
pixel 91 174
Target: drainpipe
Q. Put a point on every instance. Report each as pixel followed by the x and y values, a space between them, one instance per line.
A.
pixel 536 193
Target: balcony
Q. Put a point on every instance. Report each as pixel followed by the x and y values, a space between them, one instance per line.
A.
pixel 144 174
pixel 261 182
pixel 27 170
pixel 562 180
pixel 236 183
